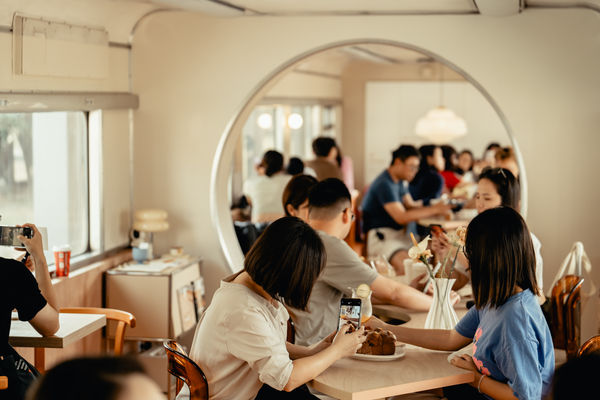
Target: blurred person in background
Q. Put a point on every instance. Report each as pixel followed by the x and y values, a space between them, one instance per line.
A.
pixel 451 178
pixel 263 192
pixel 295 166
pixel 505 158
pixel 428 183
pixel 325 163
pixel 464 166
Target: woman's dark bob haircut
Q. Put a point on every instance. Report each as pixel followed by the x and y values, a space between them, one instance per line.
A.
pixel 501 257
pixel 296 191
pixel 286 260
pixel 506 185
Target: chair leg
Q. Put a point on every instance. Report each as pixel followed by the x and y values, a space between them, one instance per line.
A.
pixel 39 359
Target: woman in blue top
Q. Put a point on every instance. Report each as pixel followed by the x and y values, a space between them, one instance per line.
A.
pixel 513 355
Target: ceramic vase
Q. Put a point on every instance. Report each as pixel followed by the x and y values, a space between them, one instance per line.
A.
pixel 441 314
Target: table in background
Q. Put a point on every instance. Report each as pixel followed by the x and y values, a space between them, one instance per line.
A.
pixel 420 369
pixel 446 224
pixel 72 328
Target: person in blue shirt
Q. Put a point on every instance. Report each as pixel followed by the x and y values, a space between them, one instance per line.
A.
pixel 513 354
pixel 388 209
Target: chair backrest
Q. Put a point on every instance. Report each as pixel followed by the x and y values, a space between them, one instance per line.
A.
pixel 291 331
pixel 123 319
pixel 3 382
pixel 185 370
pixel 591 345
pixel 566 314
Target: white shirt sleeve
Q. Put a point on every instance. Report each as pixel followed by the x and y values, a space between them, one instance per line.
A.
pixel 253 338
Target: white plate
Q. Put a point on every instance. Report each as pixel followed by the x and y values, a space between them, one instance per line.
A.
pixel 400 352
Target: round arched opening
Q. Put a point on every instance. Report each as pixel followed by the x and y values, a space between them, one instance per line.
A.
pixel 433 70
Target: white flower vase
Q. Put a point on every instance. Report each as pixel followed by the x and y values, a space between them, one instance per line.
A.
pixel 441 314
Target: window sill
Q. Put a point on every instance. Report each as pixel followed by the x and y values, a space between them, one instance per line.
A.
pixel 84 263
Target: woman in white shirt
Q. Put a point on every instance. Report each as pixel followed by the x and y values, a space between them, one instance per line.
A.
pixel 263 192
pixel 240 343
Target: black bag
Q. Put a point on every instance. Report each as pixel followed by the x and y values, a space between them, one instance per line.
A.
pixel 20 374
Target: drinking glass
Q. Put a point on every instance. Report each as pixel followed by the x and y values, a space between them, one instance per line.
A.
pixel 382 265
pixel 366 307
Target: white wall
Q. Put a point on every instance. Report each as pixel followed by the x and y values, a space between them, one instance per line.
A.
pixel 300 85
pixel 194 73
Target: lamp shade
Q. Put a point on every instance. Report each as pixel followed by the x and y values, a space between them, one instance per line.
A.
pixel 150 220
pixel 441 125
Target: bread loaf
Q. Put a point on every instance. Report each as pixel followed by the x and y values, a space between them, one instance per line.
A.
pixel 379 342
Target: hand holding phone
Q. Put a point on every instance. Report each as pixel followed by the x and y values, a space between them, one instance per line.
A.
pixel 347 343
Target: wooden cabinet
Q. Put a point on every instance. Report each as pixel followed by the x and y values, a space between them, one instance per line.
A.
pixel 165 302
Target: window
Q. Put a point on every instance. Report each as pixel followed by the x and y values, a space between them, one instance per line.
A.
pixel 44 176
pixel 289 129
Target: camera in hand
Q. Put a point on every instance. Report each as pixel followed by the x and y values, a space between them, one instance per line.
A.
pixel 9 235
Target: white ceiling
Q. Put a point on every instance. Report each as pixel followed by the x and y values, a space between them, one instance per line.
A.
pixel 119 17
pixel 306 7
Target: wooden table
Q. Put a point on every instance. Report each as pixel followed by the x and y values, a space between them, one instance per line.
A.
pixel 420 369
pixel 72 328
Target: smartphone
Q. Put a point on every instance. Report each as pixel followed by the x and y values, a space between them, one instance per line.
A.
pixel 350 313
pixel 9 235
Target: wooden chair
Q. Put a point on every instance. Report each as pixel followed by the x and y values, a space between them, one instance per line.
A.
pixel 592 345
pixel 291 331
pixel 3 382
pixel 123 319
pixel 565 323
pixel 185 370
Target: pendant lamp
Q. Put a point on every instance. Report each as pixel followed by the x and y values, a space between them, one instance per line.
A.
pixel 441 125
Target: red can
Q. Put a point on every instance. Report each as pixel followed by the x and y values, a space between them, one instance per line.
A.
pixel 62 260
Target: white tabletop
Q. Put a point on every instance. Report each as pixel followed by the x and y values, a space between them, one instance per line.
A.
pixel 72 328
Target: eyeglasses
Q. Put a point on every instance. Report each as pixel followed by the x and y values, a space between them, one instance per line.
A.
pixel 352 216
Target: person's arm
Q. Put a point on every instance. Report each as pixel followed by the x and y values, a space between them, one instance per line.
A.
pixel 434 339
pixel 486 385
pixel 402 216
pixel 410 203
pixel 307 368
pixel 399 294
pixel 46 320
pixel 297 351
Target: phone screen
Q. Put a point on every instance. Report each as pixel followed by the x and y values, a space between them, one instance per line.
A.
pixel 350 313
pixel 9 235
